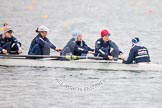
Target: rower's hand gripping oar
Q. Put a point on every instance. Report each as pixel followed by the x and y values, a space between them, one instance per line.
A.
pixel 58 50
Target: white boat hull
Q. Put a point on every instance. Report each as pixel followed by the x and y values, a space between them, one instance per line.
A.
pixel 80 64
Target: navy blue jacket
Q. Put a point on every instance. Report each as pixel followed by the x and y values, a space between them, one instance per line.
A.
pixel 81 48
pixel 138 54
pixel 103 49
pixel 42 42
pixel 76 48
pixel 69 47
pixel 13 40
pixel 10 40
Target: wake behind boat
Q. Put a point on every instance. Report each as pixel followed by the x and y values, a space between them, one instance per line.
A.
pixel 82 63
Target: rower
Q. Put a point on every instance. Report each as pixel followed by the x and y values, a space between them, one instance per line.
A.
pixel 41 45
pixel 106 48
pixel 138 53
pixel 9 43
pixel 76 45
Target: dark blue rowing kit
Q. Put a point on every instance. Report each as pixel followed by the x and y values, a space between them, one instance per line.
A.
pixel 76 48
pixel 138 54
pixel 9 44
pixel 40 46
pixel 105 49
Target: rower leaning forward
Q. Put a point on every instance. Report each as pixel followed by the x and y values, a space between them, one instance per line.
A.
pixel 106 48
pixel 138 53
pixel 41 45
pixel 76 45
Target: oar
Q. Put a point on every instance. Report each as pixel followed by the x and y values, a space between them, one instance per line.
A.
pixel 68 57
pixel 29 56
pixel 88 57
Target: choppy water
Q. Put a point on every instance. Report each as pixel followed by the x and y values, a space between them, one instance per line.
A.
pixel 22 87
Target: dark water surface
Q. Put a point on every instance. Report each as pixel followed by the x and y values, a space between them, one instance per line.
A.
pixel 29 87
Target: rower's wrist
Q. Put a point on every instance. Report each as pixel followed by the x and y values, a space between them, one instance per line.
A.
pixel 4 51
pixel 20 48
pixel 110 57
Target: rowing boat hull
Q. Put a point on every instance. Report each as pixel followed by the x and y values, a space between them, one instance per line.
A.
pixel 80 64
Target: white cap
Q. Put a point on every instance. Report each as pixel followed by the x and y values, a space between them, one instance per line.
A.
pixel 43 28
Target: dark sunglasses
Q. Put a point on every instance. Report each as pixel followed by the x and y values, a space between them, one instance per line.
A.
pixel 10 31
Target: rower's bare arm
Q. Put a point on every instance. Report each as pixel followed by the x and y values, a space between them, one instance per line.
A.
pixel 121 56
pixel 58 49
pixel 110 57
pixel 20 50
pixel 91 52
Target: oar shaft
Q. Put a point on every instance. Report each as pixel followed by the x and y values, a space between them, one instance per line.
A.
pixel 87 57
pixel 30 56
pixel 72 57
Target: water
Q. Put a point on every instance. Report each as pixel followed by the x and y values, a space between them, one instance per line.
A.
pixel 42 87
pixel 23 87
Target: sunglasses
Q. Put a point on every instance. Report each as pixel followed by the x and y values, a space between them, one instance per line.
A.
pixel 10 31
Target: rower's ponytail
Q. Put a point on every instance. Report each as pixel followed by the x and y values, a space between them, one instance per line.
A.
pixel 37 30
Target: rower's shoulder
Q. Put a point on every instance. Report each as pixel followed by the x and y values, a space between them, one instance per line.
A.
pixel 83 42
pixel 72 39
pixel 139 48
pixel 38 37
pixel 111 42
pixel 135 48
pixel 71 42
pixel 99 41
pixel 11 38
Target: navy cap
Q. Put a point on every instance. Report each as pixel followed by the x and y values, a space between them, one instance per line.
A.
pixel 135 40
